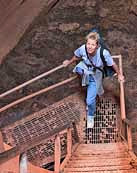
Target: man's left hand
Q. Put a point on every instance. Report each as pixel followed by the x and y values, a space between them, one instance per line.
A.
pixel 121 78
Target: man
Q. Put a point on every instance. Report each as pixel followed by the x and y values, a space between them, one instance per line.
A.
pixel 90 68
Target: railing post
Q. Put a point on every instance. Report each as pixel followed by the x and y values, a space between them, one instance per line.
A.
pixel 23 163
pixel 122 97
pixel 1 143
pixel 129 136
pixel 75 132
pixel 57 154
pixel 69 142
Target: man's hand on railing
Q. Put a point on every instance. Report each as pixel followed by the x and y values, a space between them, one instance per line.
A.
pixel 121 78
pixel 66 63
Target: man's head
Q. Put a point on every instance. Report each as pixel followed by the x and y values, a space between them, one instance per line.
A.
pixel 92 42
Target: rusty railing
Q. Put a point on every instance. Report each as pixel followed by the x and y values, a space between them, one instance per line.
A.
pixel 125 130
pixel 21 150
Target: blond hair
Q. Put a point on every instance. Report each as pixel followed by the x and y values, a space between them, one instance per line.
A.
pixel 93 36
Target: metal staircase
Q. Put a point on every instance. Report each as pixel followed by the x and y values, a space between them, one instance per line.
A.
pixel 100 158
pixel 59 131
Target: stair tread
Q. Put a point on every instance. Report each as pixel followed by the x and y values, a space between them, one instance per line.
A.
pixel 98 152
pixel 91 164
pixel 119 171
pixel 93 158
pixel 105 145
pixel 102 160
pixel 91 148
pixel 100 168
pixel 89 155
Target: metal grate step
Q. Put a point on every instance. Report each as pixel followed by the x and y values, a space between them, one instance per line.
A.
pixel 105 128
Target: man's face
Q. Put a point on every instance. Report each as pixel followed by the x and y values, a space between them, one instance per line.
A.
pixel 91 46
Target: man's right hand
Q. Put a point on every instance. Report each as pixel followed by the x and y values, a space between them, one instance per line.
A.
pixel 66 63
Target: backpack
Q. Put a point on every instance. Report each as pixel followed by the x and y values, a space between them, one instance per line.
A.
pixel 107 70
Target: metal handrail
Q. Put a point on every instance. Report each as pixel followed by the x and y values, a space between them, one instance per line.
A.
pixel 37 78
pixel 122 95
pixel 30 81
pixel 40 91
pixel 37 93
pixel 124 119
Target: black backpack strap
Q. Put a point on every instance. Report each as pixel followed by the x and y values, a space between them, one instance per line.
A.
pixel 104 62
pixel 102 56
pixel 106 68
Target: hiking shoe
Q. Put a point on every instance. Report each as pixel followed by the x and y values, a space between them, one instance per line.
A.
pixel 90 122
